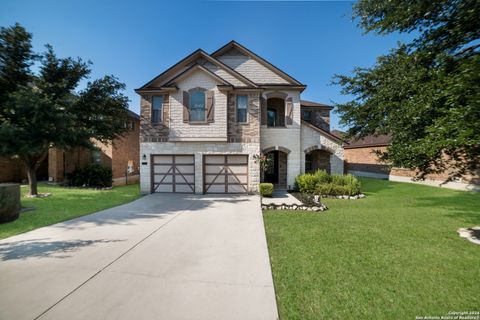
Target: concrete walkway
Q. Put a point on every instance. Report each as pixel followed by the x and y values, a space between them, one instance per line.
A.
pixel 160 257
pixel 280 197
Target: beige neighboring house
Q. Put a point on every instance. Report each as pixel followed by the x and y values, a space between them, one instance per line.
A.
pixel 206 119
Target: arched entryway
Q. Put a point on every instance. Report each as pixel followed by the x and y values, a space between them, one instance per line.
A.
pixel 276 170
pixel 317 158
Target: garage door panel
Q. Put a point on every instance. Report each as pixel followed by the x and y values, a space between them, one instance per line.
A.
pixel 185 168
pixel 173 173
pixel 232 188
pixel 185 160
pixel 215 188
pixel 162 168
pixel 185 179
pixel 214 159
pixel 237 159
pixel 162 178
pixel 238 169
pixel 225 174
pixel 164 188
pixel 211 178
pixel 237 179
pixel 162 159
pixel 183 188
pixel 213 169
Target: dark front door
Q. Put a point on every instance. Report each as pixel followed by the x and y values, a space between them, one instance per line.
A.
pixel 271 174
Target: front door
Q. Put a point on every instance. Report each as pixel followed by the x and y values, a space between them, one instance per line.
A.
pixel 271 174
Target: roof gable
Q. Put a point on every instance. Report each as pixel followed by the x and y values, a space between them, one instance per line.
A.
pixel 197 57
pixel 233 52
pixel 196 67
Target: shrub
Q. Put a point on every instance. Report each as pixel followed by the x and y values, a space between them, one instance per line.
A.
pixel 92 175
pixel 306 183
pixel 266 189
pixel 322 183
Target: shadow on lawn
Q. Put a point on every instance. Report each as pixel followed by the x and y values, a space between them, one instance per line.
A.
pixel 462 205
pixel 42 248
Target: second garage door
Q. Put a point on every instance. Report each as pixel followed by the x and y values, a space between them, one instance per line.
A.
pixel 225 173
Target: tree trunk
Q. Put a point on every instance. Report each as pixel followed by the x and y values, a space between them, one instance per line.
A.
pixel 32 181
pixel 32 165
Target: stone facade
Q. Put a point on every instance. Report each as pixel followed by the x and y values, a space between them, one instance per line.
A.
pixel 313 140
pixel 250 130
pixel 154 132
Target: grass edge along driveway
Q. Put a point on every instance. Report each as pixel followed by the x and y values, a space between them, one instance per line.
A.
pixel 65 204
pixel 393 255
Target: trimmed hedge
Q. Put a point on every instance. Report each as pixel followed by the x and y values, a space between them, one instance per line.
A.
pixel 322 183
pixel 266 189
pixel 92 175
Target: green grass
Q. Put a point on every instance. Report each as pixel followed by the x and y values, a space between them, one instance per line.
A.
pixel 65 204
pixel 393 255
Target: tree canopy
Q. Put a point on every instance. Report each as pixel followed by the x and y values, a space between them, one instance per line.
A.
pixel 46 109
pixel 426 93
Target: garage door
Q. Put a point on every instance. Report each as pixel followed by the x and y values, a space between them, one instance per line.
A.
pixel 225 173
pixel 173 173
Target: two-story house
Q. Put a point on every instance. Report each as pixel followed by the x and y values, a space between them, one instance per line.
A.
pixel 206 119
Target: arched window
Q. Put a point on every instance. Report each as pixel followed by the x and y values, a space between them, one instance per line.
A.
pixel 197 105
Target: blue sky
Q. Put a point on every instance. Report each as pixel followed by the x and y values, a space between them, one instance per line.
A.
pixel 136 40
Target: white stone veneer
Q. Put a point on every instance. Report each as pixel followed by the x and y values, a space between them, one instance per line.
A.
pixel 313 138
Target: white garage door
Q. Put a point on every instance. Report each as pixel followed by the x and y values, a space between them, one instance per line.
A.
pixel 173 173
pixel 225 173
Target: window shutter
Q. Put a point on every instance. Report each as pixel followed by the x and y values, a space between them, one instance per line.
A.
pixel 209 106
pixel 289 111
pixel 263 109
pixel 165 108
pixel 186 109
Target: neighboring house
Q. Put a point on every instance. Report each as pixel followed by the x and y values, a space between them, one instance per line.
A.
pixel 361 160
pixel 206 119
pixel 122 157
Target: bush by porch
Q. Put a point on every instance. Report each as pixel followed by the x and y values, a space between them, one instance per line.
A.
pixel 322 183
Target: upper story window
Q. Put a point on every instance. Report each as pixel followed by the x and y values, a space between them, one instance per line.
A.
pixel 307 115
pixel 157 105
pixel 242 103
pixel 197 105
pixel 271 117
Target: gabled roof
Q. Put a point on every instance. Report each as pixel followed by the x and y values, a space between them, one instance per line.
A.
pixel 305 103
pixel 196 67
pixel 185 63
pixel 265 63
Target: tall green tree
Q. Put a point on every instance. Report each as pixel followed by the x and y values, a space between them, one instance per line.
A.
pixel 46 110
pixel 426 93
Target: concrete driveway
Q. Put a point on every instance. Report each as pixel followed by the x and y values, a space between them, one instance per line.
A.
pixel 160 257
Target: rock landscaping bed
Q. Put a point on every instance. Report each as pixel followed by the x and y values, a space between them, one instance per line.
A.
pixel 471 234
pixel 273 206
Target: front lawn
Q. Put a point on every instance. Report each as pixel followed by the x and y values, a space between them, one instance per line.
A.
pixel 65 204
pixel 393 255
